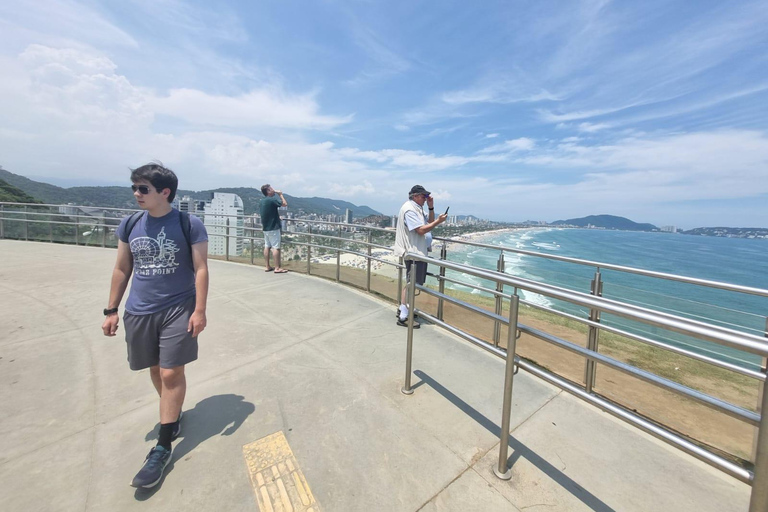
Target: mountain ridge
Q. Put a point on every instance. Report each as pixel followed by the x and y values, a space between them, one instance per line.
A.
pixel 122 197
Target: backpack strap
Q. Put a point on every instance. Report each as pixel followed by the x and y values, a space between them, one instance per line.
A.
pixel 186 227
pixel 132 221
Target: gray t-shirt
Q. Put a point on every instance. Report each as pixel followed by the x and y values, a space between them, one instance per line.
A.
pixel 163 273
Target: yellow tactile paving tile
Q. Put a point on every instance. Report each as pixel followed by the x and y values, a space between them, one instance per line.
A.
pixel 278 483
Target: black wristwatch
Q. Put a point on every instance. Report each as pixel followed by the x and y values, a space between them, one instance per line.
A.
pixel 108 312
pixel 431 209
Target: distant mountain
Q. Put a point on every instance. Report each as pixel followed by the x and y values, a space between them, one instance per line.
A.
pixel 607 222
pixel 121 197
pixel 11 194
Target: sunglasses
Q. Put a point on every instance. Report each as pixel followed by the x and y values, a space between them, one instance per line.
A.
pixel 142 189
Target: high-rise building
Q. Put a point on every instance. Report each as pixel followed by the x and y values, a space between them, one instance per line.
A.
pixel 348 216
pixel 224 215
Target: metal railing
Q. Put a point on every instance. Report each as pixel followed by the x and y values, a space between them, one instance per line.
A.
pixel 758 477
pixel 47 223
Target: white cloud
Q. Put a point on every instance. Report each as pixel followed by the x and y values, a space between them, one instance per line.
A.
pixel 265 107
pixel 592 127
pixel 511 146
pixel 491 135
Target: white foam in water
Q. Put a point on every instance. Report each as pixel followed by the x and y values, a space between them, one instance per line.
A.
pixel 536 299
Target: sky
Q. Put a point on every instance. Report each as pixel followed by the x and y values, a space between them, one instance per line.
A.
pixel 507 110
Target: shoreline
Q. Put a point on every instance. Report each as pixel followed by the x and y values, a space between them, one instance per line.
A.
pixel 359 262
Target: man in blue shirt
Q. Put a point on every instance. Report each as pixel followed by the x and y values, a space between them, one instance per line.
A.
pixel 167 253
pixel 270 222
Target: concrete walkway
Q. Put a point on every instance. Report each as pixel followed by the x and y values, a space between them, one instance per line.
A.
pixel 321 363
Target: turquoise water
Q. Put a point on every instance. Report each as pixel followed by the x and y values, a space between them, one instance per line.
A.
pixel 731 260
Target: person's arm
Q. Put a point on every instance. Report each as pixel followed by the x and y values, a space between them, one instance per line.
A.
pixel 121 274
pixel 197 321
pixel 278 192
pixel 426 228
pixel 431 222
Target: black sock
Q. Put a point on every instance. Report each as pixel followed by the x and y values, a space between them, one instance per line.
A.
pixel 166 431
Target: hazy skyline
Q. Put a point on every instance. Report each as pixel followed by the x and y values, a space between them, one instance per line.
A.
pixel 655 111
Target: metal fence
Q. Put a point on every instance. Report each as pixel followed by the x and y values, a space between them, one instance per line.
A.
pixel 757 477
pixel 313 240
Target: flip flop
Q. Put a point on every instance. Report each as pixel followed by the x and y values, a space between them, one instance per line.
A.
pixel 270 269
pixel 281 271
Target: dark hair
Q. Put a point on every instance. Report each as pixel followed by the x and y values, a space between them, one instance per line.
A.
pixel 160 177
pixel 265 188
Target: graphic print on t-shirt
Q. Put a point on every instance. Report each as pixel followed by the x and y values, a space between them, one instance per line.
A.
pixel 154 256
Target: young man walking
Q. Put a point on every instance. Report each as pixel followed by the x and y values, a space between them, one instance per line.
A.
pixel 414 234
pixel 270 222
pixel 167 253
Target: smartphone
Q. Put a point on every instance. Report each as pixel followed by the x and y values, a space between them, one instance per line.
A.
pixel 446 210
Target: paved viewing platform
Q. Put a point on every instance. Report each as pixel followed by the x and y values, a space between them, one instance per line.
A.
pixel 317 366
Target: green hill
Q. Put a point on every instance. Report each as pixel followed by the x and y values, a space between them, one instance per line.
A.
pixel 121 197
pixel 11 194
pixel 607 222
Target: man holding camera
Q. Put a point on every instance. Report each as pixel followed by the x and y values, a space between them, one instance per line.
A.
pixel 414 235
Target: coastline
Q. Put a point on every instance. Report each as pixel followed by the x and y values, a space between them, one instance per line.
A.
pixel 359 262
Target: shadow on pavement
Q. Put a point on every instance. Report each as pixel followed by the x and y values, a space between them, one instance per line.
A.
pixel 212 416
pixel 519 449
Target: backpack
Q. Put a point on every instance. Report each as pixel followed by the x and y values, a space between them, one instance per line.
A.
pixel 186 227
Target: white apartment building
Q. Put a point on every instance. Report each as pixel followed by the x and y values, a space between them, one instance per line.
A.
pixel 220 209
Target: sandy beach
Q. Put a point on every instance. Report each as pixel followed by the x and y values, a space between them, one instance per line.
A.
pixel 390 270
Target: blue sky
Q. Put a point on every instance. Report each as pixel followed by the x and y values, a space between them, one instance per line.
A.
pixel 515 110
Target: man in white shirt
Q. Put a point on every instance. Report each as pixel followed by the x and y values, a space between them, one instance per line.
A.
pixel 414 235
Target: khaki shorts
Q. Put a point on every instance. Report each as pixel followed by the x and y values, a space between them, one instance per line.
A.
pixel 161 338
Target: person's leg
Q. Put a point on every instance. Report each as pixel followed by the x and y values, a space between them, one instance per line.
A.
pixel 276 254
pixel 266 255
pixel 174 389
pixel 154 374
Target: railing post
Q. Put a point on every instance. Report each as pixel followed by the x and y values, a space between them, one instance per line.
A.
pixel 338 256
pixel 590 367
pixel 50 229
pixel 226 240
pixel 499 303
pixel 77 229
pixel 501 470
pixel 368 280
pixel 309 249
pixel 406 389
pixel 2 221
pixel 252 247
pixel 760 391
pixel 26 224
pixel 758 502
pixel 441 284
pixel 103 231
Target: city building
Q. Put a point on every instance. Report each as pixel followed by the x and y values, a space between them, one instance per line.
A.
pixel 348 216
pixel 224 215
pixel 189 205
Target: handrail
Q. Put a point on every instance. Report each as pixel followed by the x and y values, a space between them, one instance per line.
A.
pixel 700 330
pixel 621 268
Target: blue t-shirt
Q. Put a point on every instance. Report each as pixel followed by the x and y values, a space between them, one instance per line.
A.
pixel 163 273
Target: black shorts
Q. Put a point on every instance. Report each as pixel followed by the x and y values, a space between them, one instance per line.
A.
pixel 421 271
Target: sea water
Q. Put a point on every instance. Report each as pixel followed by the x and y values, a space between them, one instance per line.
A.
pixel 730 260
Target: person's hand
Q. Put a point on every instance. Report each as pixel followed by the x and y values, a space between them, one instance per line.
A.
pixel 430 201
pixel 110 324
pixel 442 218
pixel 197 323
pixel 279 192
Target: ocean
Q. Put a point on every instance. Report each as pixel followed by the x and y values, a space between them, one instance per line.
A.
pixel 732 260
